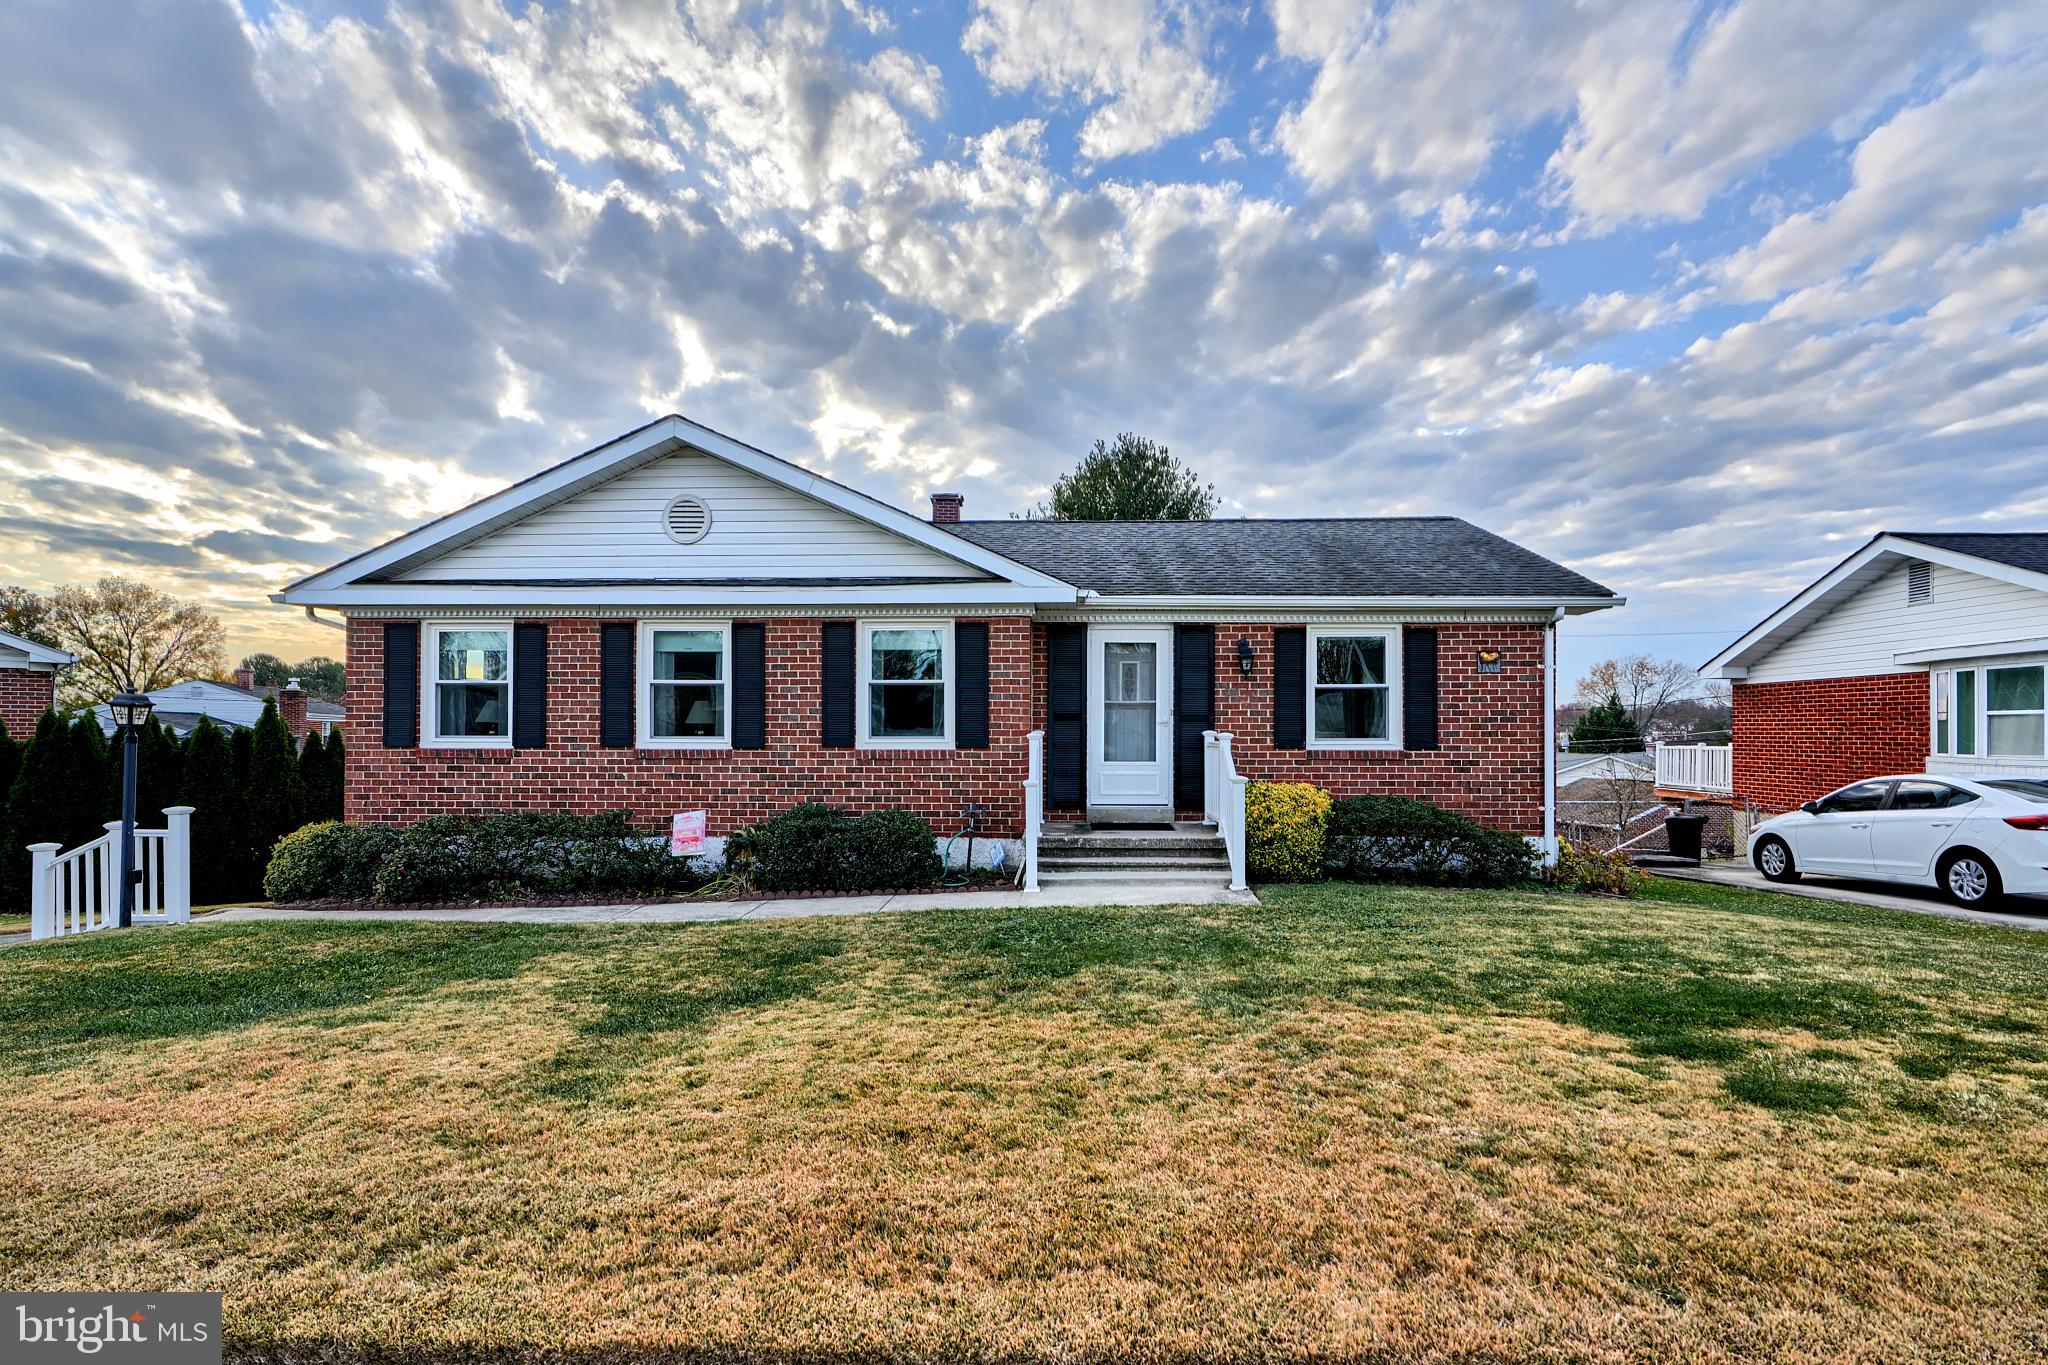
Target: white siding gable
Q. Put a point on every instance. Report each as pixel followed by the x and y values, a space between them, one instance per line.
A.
pixel 1863 634
pixel 759 530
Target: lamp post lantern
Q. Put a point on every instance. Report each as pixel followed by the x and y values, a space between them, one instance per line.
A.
pixel 131 711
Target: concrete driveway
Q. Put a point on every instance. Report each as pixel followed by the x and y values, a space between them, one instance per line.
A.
pixel 2018 912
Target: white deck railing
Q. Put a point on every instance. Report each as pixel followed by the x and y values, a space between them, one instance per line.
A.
pixel 1696 768
pixel 80 891
pixel 1223 800
pixel 1034 804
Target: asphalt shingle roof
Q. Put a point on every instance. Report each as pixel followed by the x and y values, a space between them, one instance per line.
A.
pixel 2017 549
pixel 1314 557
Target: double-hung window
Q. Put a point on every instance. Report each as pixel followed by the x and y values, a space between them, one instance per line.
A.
pixel 2014 711
pixel 905 667
pixel 1352 697
pixel 469 701
pixel 684 682
pixel 1955 711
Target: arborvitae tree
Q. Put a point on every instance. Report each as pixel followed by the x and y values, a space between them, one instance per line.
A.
pixel 10 765
pixel 95 795
pixel 313 779
pixel 159 760
pixel 40 806
pixel 334 800
pixel 219 867
pixel 248 872
pixel 277 803
pixel 1606 729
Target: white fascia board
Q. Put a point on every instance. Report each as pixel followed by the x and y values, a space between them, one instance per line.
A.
pixel 369 596
pixel 36 653
pixel 1168 602
pixel 653 439
pixel 1994 650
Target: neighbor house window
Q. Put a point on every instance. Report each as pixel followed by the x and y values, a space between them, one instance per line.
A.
pixel 1955 712
pixel 904 668
pixel 470 702
pixel 683 685
pixel 1351 702
pixel 1943 685
pixel 2013 711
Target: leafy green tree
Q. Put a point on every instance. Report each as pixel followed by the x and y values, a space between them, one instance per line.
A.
pixel 219 867
pixel 29 614
pixel 1130 479
pixel 276 801
pixel 1606 729
pixel 322 677
pixel 270 670
pixel 40 805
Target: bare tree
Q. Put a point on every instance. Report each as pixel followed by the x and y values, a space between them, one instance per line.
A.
pixel 1646 686
pixel 130 636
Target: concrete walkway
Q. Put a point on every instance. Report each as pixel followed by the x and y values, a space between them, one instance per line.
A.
pixel 2018 912
pixel 706 912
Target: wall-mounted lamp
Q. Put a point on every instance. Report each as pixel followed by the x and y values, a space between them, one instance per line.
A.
pixel 1244 656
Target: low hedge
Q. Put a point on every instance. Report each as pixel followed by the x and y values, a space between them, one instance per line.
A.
pixel 1393 838
pixel 1284 826
pixel 824 848
pixel 1598 871
pixel 328 860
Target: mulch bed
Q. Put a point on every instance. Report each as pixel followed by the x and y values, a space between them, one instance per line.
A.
pixel 978 884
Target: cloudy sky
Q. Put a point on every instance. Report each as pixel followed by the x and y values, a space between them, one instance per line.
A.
pixel 1693 297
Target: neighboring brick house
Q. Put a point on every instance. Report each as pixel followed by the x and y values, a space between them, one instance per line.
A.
pixel 28 681
pixel 1920 652
pixel 676 620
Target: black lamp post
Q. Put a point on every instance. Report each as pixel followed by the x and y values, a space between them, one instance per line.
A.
pixel 131 710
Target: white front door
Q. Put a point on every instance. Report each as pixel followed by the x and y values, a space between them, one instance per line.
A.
pixel 1130 729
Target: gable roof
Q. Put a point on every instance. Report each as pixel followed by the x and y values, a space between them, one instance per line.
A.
pixel 2007 556
pixel 37 653
pixel 1366 557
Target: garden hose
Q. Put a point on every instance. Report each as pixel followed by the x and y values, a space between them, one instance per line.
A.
pixel 973 823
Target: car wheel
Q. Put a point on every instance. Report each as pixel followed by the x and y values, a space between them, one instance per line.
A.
pixel 1969 879
pixel 1773 858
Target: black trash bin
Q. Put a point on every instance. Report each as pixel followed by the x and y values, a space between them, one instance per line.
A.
pixel 1682 832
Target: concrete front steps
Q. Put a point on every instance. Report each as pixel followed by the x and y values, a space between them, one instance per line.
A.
pixel 1079 856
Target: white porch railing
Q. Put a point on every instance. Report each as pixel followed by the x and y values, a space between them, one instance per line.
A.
pixel 1223 800
pixel 77 892
pixel 1696 768
pixel 1034 804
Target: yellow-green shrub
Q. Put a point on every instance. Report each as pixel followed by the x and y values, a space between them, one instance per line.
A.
pixel 1285 824
pixel 1595 871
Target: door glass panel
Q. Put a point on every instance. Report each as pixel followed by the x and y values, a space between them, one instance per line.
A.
pixel 1130 702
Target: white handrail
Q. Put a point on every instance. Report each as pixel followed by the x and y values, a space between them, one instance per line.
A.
pixel 1696 767
pixel 1223 799
pixel 80 891
pixel 1034 804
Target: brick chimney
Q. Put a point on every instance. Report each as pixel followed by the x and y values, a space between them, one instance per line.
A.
pixel 946 508
pixel 245 678
pixel 291 708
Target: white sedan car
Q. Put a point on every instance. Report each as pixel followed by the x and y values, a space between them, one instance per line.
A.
pixel 1976 838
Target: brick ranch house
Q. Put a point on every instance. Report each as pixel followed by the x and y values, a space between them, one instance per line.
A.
pixel 677 621
pixel 28 681
pixel 1920 652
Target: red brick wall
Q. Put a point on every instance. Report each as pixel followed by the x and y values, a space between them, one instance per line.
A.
pixel 24 696
pixel 734 787
pixel 1795 741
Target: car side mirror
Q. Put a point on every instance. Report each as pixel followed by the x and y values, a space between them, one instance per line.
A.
pixel 1811 808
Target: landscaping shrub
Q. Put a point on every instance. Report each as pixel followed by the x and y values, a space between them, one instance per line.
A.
pixel 1590 869
pixel 823 848
pixel 1285 825
pixel 543 853
pixel 327 860
pixel 1393 838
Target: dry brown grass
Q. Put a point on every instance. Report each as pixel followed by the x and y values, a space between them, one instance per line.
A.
pixel 1357 1124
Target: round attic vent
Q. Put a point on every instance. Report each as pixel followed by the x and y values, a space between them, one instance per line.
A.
pixel 687 520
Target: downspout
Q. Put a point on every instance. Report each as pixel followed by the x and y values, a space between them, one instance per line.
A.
pixel 323 621
pixel 1550 738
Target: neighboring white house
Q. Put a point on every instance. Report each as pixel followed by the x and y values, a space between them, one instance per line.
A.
pixel 179 707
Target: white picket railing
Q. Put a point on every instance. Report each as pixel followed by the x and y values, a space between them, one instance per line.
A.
pixel 80 891
pixel 1034 804
pixel 1696 768
pixel 1223 800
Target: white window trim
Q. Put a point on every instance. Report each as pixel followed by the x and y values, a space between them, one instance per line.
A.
pixel 1942 695
pixel 430 687
pixel 864 666
pixel 643 686
pixel 1394 739
pixel 1984 704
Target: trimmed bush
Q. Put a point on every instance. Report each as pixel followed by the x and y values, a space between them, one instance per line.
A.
pixel 328 860
pixel 503 857
pixel 1393 838
pixel 822 848
pixel 1594 871
pixel 1285 827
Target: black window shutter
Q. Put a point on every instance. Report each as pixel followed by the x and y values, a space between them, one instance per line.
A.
pixel 970 690
pixel 1290 687
pixel 1066 716
pixel 835 682
pixel 401 684
pixel 749 685
pixel 530 685
pixel 1194 709
pixel 1418 687
pixel 615 685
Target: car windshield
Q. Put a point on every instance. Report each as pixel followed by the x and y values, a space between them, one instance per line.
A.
pixel 2026 788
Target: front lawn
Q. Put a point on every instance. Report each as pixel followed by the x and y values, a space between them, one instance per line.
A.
pixel 1351 1123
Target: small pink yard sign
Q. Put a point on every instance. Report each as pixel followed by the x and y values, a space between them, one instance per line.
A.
pixel 686 833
